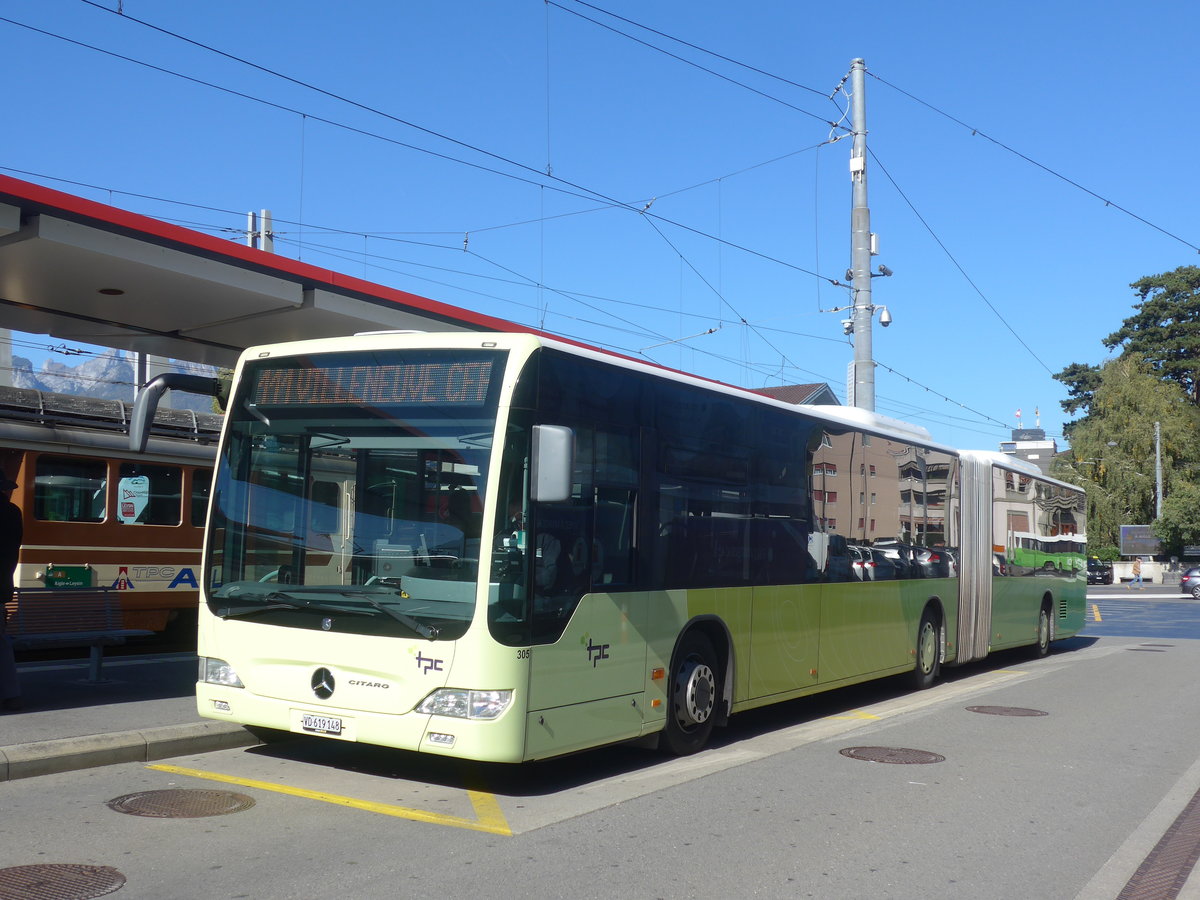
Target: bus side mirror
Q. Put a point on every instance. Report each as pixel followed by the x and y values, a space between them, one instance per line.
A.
pixel 553 463
pixel 146 402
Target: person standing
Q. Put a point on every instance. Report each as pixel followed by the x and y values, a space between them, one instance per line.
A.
pixel 11 533
pixel 1137 573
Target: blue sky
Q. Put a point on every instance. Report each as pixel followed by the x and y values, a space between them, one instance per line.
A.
pixel 1004 272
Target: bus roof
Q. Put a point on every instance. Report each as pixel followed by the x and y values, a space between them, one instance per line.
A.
pixel 844 416
pixel 1015 464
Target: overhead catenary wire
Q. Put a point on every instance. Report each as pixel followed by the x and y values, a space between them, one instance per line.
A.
pixel 575 190
pixel 615 203
pixel 520 280
pixel 587 192
pixel 692 63
pixel 956 263
pixel 1033 162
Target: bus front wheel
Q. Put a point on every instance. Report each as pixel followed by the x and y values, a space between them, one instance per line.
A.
pixel 928 651
pixel 694 696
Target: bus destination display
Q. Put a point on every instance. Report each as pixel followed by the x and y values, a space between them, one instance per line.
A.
pixel 458 383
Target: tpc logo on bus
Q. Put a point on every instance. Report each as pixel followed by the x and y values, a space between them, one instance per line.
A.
pixel 595 652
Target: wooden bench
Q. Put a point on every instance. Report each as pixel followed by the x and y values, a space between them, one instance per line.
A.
pixel 73 617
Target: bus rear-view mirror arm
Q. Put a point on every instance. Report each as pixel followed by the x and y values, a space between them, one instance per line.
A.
pixel 146 403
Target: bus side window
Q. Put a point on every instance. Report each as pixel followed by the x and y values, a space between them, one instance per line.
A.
pixel 612 548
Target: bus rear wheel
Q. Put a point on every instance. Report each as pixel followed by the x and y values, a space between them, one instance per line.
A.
pixel 1042 647
pixel 928 651
pixel 694 695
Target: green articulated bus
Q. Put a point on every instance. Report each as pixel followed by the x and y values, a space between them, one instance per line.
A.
pixel 507 547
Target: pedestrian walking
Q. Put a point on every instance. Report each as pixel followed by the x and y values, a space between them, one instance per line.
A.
pixel 1137 574
pixel 11 533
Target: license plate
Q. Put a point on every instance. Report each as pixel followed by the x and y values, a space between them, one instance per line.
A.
pixel 321 724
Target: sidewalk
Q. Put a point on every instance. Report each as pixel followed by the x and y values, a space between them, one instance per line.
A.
pixel 144 709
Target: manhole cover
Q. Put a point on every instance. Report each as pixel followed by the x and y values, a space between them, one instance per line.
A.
pixel 61 881
pixel 896 755
pixel 181 804
pixel 1006 711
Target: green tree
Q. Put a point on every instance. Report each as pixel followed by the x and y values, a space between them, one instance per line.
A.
pixel 1113 450
pixel 1081 381
pixel 1165 328
pixel 1179 524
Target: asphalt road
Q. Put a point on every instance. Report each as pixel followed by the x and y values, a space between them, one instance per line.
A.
pixel 1158 611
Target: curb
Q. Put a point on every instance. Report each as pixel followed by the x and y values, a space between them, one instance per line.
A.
pixel 89 751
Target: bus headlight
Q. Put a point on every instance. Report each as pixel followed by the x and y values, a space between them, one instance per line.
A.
pixel 462 704
pixel 217 671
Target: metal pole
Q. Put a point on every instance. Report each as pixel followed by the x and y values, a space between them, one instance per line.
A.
pixel 1158 490
pixel 266 237
pixel 863 386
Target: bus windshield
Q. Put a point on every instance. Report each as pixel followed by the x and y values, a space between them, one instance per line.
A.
pixel 350 492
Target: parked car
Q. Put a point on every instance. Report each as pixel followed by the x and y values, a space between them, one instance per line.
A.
pixel 1189 582
pixel 860 563
pixel 902 556
pixel 869 564
pixel 935 562
pixel 885 569
pixel 1100 572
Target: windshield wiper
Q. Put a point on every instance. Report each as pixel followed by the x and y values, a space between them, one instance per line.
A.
pixel 429 632
pixel 281 600
pixel 285 600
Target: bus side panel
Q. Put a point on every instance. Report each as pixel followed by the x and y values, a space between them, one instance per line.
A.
pixel 552 732
pixel 1015 606
pixel 1070 607
pixel 785 641
pixel 1017 602
pixel 602 653
pixel 588 687
pixel 871 627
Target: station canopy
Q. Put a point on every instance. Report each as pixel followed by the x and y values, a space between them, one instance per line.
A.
pixel 84 271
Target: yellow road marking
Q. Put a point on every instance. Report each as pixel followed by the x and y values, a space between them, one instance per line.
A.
pixel 489 817
pixel 857 714
pixel 1096 613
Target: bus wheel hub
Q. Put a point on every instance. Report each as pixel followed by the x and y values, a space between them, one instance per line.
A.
pixel 695 693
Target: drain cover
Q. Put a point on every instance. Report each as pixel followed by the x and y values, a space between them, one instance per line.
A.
pixel 1006 711
pixel 897 755
pixel 63 881
pixel 181 804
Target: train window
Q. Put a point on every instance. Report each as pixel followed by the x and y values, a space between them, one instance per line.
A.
pixel 69 490
pixel 201 485
pixel 149 495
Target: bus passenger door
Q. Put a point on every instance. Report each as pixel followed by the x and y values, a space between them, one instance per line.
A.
pixel 588 679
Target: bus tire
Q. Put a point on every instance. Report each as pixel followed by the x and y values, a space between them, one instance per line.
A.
pixel 694 695
pixel 1042 647
pixel 929 641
